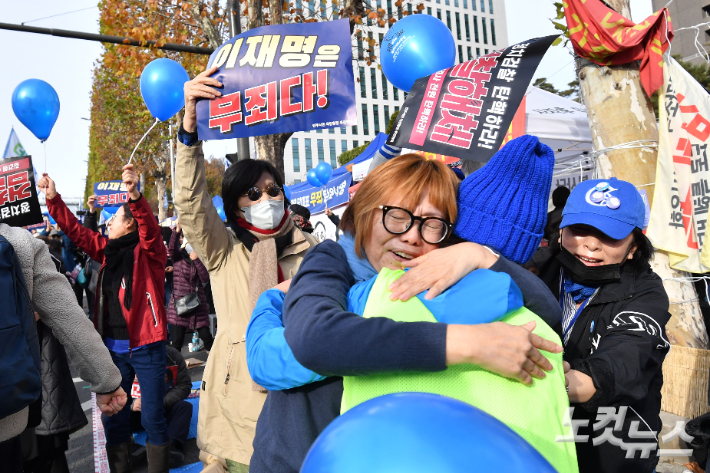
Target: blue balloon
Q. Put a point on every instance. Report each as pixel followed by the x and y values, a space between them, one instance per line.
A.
pixel 312 178
pixel 416 46
pixel 162 84
pixel 417 433
pixel 36 105
pixel 287 193
pixel 324 172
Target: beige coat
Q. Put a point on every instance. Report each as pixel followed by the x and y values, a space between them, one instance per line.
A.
pixel 229 405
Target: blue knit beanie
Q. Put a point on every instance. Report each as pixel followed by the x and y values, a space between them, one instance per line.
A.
pixel 504 204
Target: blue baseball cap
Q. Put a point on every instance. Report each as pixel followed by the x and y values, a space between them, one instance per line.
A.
pixel 611 206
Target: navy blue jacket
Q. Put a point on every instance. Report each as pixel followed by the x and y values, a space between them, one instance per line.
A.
pixel 327 339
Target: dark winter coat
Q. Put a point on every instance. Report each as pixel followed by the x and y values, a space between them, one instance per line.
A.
pixel 183 384
pixel 619 340
pixel 188 275
pixel 60 406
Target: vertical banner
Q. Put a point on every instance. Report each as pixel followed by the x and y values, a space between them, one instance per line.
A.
pixel 681 197
pixel 19 205
pixel 517 126
pixel 100 457
pixel 281 78
pixel 111 193
pixel 465 111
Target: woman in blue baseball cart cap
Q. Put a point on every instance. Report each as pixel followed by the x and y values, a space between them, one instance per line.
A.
pixel 613 327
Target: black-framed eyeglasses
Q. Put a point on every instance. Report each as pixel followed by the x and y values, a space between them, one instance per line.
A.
pixel 398 221
pixel 254 193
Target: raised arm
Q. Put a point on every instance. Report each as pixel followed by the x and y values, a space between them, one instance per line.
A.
pixel 174 246
pixel 200 221
pixel 91 242
pixel 151 240
pixel 91 217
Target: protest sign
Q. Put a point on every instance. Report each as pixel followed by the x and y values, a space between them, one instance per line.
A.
pixel 682 192
pixel 19 205
pixel 111 193
pixel 465 111
pixel 332 195
pixel 281 78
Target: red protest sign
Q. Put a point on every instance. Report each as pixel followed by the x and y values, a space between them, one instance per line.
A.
pixel 19 206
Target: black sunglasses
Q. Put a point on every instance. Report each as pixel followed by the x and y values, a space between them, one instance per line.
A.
pixel 398 221
pixel 255 193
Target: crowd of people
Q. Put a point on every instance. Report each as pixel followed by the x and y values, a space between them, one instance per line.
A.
pixel 466 288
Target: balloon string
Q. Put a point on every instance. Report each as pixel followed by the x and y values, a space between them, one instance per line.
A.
pixel 141 140
pixel 45 155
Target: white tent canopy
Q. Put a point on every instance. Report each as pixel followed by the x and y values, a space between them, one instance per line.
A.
pixel 560 123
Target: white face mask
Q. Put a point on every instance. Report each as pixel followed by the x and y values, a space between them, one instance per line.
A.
pixel 265 215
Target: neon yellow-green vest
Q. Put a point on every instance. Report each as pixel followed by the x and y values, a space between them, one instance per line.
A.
pixel 536 413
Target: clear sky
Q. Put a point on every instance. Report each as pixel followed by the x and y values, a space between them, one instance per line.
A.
pixel 67 64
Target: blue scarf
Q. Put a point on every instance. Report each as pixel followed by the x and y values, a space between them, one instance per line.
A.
pixel 577 291
pixel 361 267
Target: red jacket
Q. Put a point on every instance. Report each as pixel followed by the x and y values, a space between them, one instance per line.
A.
pixel 146 320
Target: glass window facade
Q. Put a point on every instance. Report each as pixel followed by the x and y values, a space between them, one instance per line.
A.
pixel 385 87
pixel 448 20
pixel 376 117
pixel 490 6
pixel 470 54
pixel 354 129
pixel 333 160
pixel 343 146
pixel 460 53
pixel 363 87
pixel 483 6
pixel 493 32
pixel 365 124
pixel 373 82
pixel 321 152
pixel 307 147
pixel 458 25
pixel 468 28
pixel 395 92
pixel 296 155
pixel 387 116
pixel 438 13
pixel 475 28
pixel 485 33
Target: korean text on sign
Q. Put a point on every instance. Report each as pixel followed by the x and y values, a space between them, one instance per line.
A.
pixel 297 77
pixel 18 198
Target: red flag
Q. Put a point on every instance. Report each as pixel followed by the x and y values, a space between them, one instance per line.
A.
pixel 603 36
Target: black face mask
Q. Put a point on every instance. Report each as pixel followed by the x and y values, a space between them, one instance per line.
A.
pixel 590 276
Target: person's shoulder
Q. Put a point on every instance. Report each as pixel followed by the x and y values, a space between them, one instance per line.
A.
pixel 647 282
pixel 19 238
pixel 173 355
pixel 328 248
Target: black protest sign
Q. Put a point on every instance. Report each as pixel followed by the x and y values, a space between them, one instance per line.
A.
pixel 465 111
pixel 19 205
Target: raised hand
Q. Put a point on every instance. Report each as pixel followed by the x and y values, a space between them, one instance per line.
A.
pixel 46 185
pixel 130 179
pixel 199 88
pixel 91 201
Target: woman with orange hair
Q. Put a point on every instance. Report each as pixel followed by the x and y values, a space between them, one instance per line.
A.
pixel 403 210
